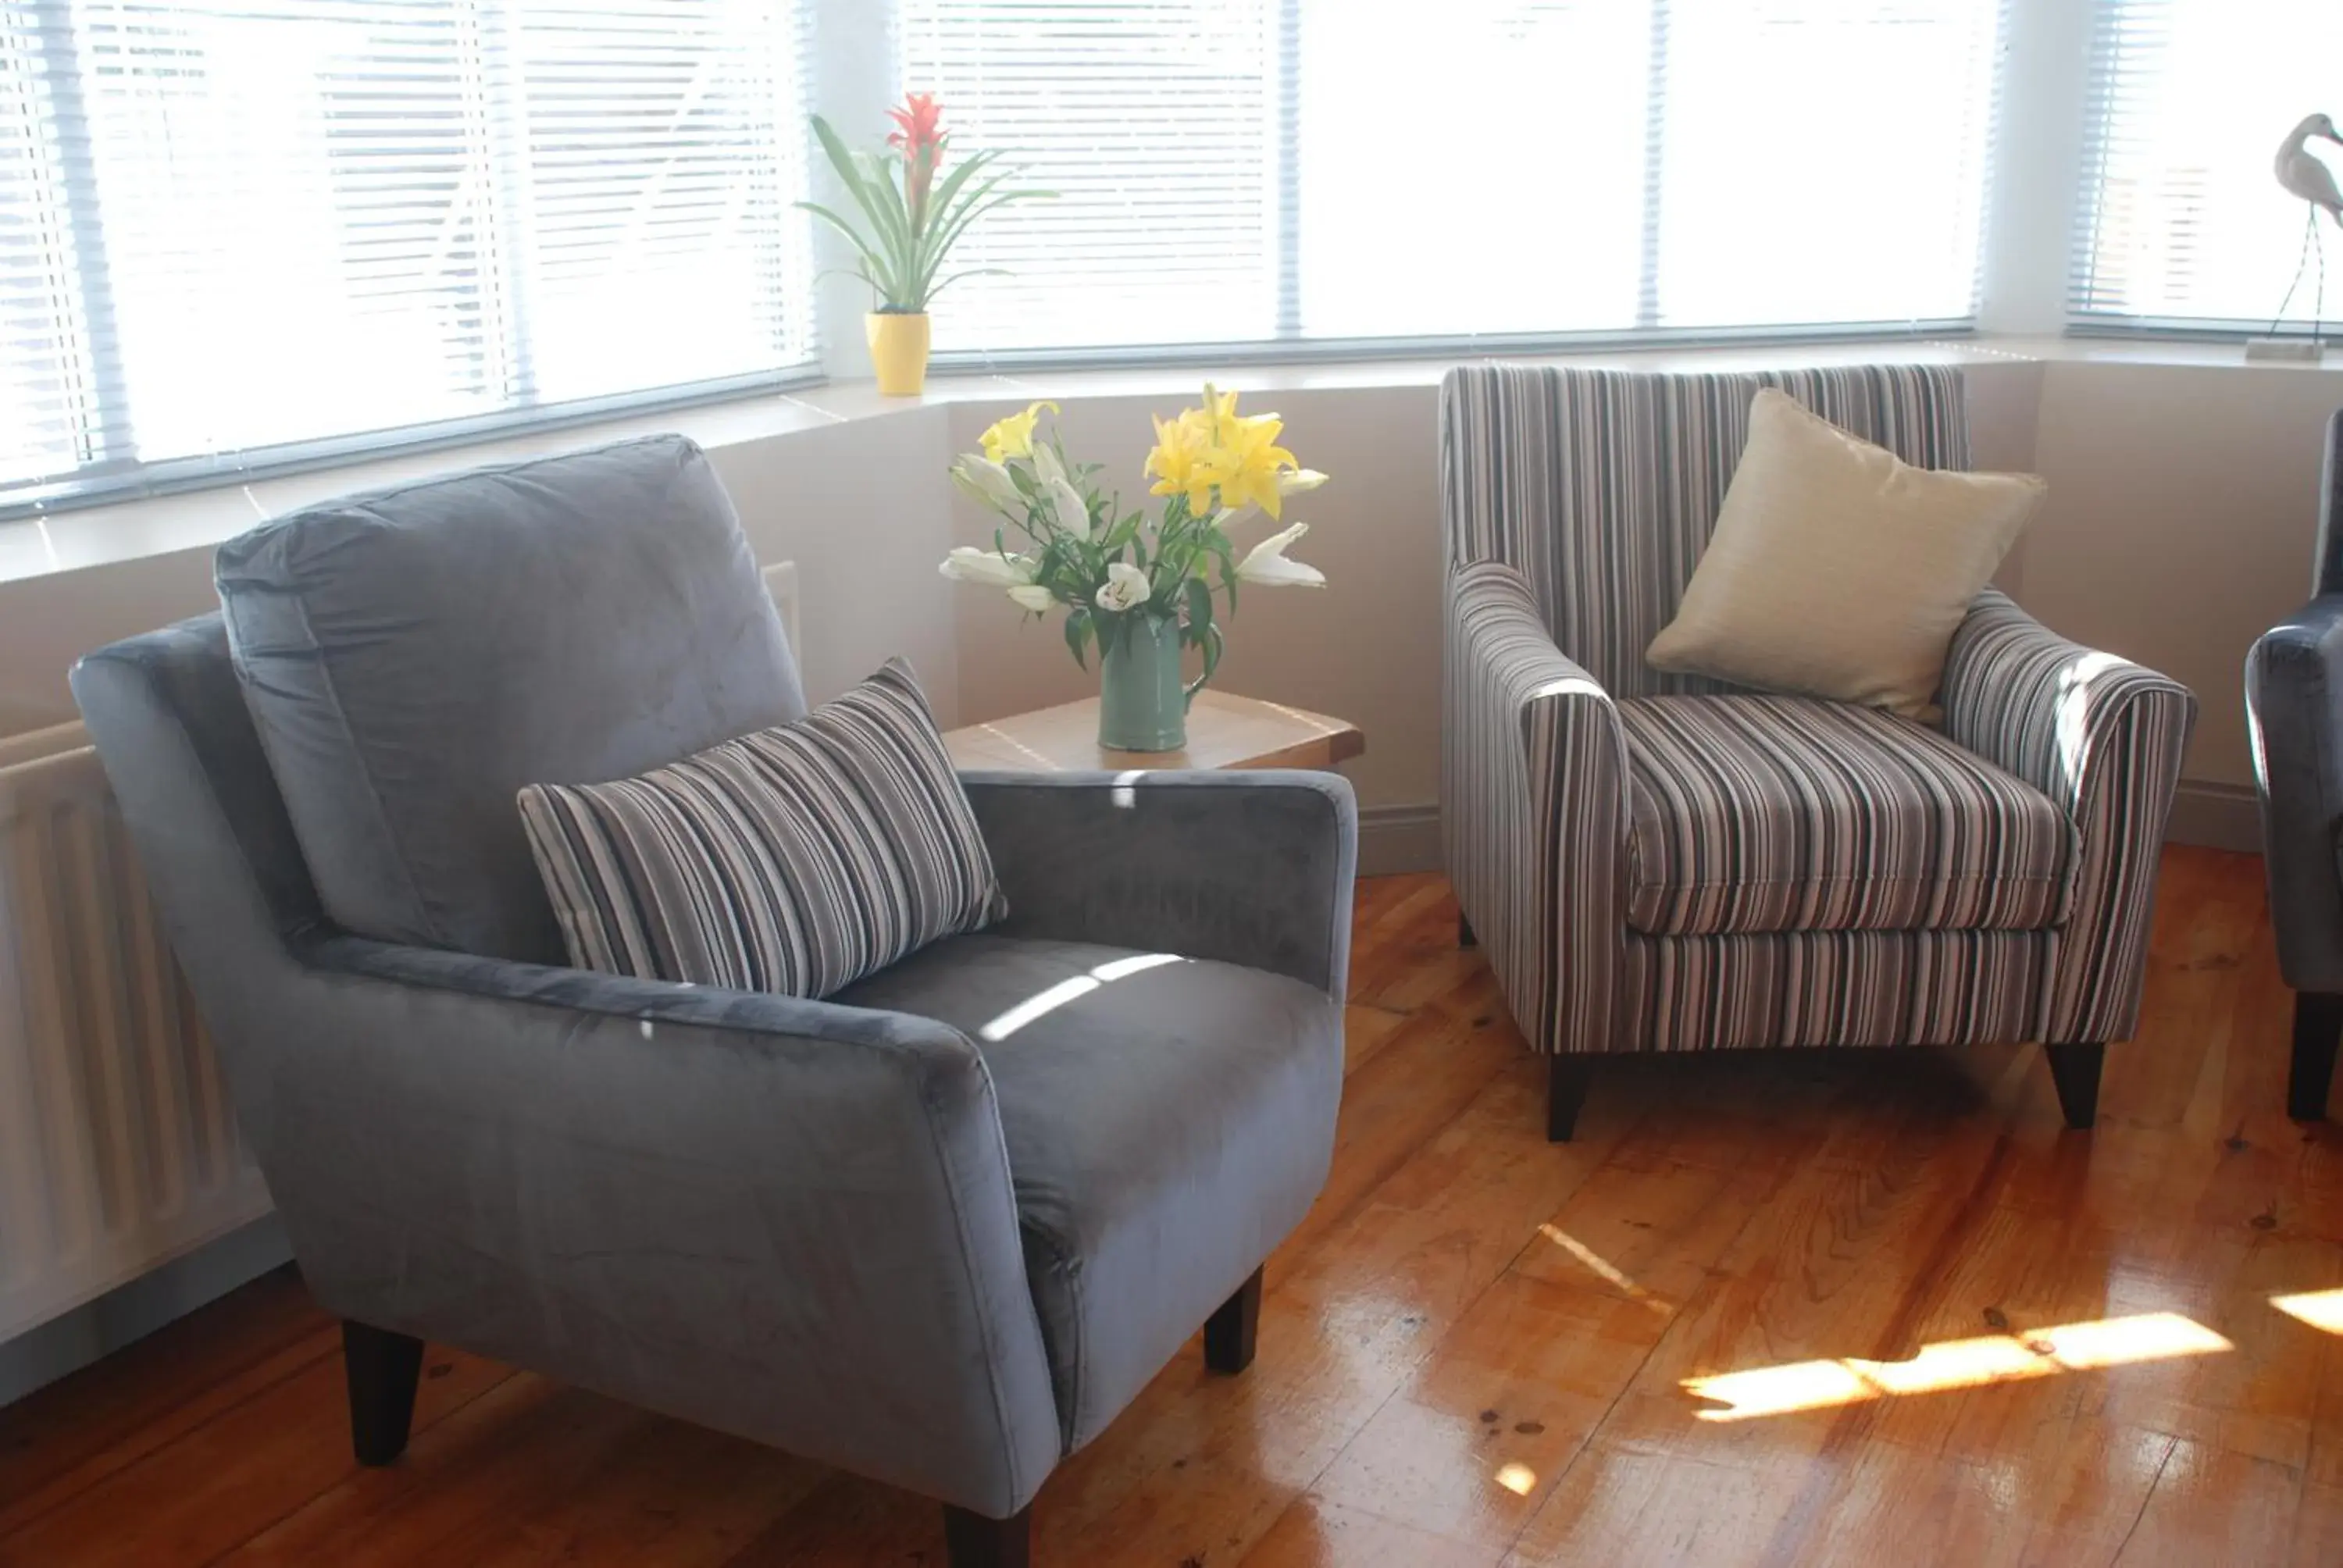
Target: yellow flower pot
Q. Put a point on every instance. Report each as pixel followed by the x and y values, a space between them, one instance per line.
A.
pixel 898 351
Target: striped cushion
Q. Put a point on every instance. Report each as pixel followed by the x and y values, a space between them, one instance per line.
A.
pixel 1792 814
pixel 794 861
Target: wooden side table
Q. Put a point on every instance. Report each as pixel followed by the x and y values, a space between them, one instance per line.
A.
pixel 1223 731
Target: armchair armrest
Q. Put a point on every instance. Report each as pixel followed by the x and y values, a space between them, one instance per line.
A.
pixel 787 1220
pixel 2103 739
pixel 2294 705
pixel 1249 867
pixel 1533 810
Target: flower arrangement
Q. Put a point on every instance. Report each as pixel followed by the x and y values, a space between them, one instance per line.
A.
pixel 1140 585
pixel 908 221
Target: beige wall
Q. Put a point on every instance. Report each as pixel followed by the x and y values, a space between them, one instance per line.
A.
pixel 2184 504
pixel 2181 514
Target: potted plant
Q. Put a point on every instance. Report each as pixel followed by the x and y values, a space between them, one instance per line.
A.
pixel 910 222
pixel 1140 588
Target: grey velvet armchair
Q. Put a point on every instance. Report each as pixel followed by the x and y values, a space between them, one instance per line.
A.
pixel 937 1229
pixel 1660 862
pixel 2294 701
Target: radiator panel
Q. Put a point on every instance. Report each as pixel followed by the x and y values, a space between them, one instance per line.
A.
pixel 118 1148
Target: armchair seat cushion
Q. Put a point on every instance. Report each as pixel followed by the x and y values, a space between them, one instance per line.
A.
pixel 1169 1120
pixel 1752 813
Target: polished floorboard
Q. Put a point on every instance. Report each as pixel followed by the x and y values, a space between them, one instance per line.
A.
pixel 1862 1308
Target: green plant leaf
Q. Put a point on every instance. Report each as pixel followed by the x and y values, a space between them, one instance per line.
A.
pixel 1078 626
pixel 936 288
pixel 883 202
pixel 876 269
pixel 1199 606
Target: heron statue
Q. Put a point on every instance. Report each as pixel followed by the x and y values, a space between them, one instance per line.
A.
pixel 2304 176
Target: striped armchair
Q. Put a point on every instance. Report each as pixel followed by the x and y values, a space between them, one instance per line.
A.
pixel 1664 862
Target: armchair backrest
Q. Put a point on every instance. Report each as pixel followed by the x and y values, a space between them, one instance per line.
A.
pixel 1602 486
pixel 412 657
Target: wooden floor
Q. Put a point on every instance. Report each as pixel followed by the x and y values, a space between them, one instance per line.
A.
pixel 1947 1330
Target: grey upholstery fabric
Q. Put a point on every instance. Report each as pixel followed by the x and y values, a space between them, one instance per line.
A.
pixel 1577 503
pixel 412 657
pixel 783 1219
pixel 1168 1120
pixel 2294 689
pixel 2294 692
pixel 802 1221
pixel 1251 868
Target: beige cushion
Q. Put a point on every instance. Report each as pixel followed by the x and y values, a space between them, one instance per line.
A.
pixel 1838 570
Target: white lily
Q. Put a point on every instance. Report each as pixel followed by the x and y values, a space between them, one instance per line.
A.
pixel 1265 563
pixel 989 481
pixel 1125 588
pixel 1032 596
pixel 1298 481
pixel 1066 504
pixel 989 567
pixel 1046 466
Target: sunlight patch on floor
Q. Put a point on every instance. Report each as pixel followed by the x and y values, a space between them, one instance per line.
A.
pixel 1955 1365
pixel 1601 1267
pixel 1517 1478
pixel 2319 1309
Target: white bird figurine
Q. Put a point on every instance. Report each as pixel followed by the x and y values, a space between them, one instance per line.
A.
pixel 2305 175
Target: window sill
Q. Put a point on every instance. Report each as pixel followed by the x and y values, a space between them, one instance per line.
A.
pixel 100 537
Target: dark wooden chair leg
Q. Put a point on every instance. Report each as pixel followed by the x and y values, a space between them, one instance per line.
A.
pixel 1464 937
pixel 2318 1026
pixel 1566 1077
pixel 976 1540
pixel 2075 1068
pixel 1229 1333
pixel 381 1368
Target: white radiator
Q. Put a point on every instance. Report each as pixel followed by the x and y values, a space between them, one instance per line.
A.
pixel 118 1151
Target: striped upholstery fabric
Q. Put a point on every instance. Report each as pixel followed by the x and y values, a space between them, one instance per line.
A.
pixel 1635 867
pixel 793 860
pixel 1792 814
pixel 1832 989
pixel 2103 739
pixel 1534 792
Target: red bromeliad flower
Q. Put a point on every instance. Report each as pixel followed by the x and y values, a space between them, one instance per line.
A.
pixel 920 137
pixel 918 126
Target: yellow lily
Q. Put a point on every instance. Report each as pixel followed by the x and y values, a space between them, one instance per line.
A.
pixel 1013 437
pixel 1181 445
pixel 1248 465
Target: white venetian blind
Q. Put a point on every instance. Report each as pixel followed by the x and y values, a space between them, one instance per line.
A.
pixel 231 234
pixel 2184 224
pixel 1155 122
pixel 1279 171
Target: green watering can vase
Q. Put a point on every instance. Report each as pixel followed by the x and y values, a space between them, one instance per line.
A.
pixel 1142 702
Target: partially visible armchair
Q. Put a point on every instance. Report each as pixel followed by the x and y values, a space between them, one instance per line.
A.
pixel 1662 862
pixel 938 1229
pixel 2294 701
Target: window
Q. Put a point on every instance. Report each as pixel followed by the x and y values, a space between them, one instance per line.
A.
pixel 2184 224
pixel 1319 171
pixel 233 234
